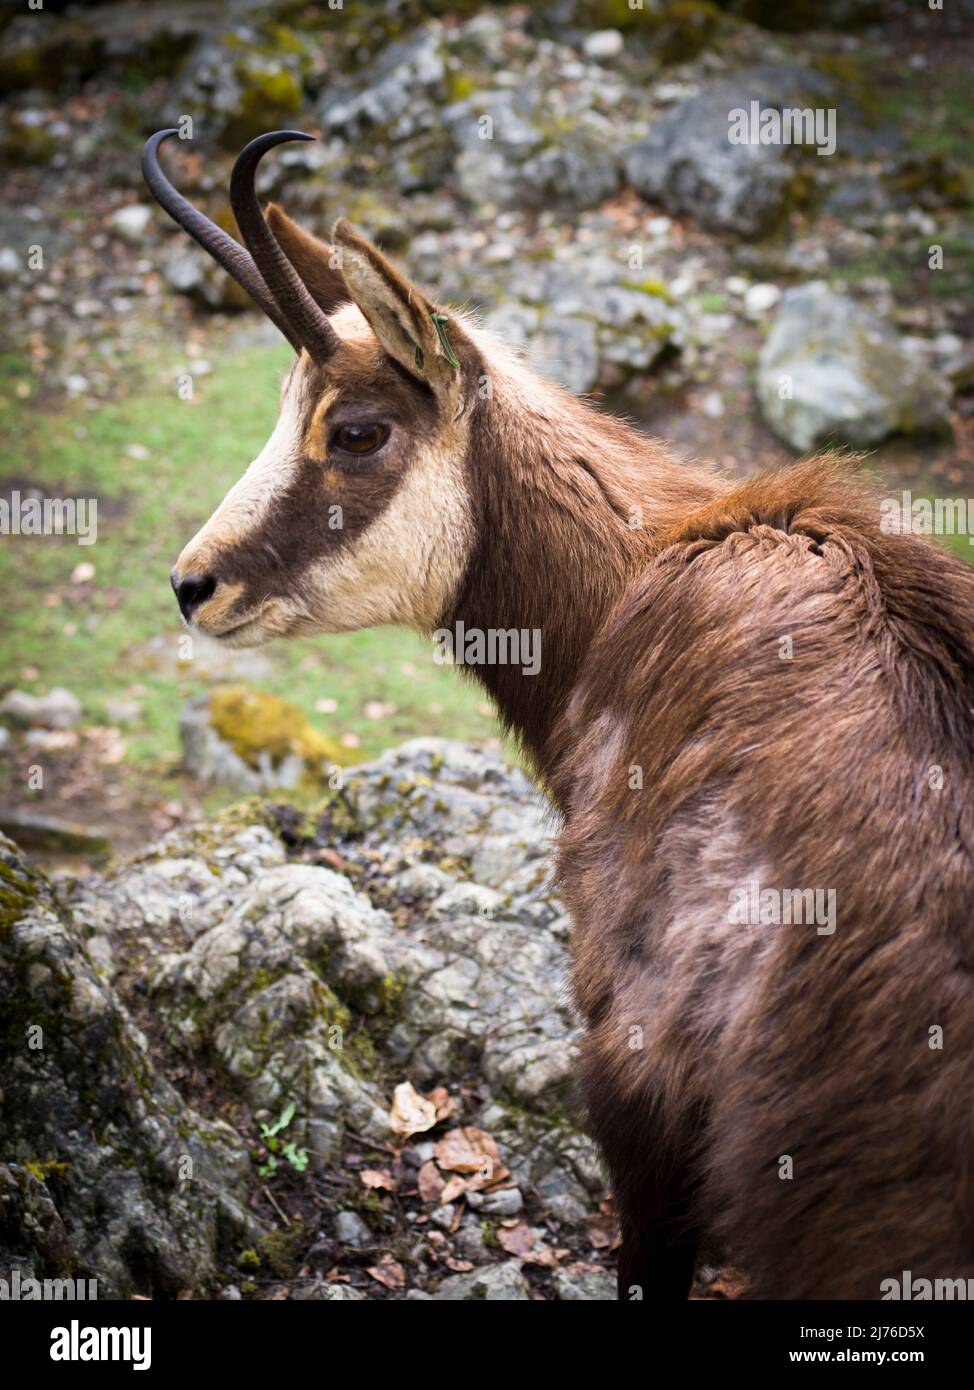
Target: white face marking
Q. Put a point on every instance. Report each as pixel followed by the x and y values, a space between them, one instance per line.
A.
pixel 405 568
pixel 246 503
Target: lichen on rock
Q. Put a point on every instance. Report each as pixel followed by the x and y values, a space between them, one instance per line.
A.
pixel 437 953
pixel 251 740
pixel 106 1172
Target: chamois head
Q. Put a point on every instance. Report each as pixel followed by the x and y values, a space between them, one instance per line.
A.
pixel 355 512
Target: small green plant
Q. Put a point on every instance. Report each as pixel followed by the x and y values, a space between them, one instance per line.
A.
pixel 298 1158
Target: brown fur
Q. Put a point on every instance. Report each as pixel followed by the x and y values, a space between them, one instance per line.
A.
pixel 760 1042
pixel 661 651
pixel 663 596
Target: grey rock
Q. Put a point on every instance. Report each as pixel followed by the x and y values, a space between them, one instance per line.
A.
pixel 10 263
pixel 687 163
pixel 469 1241
pixel 58 709
pixel 211 759
pixel 603 43
pixel 321 1292
pixel 132 222
pixel 581 171
pixel 857 196
pixel 395 89
pixel 100 953
pixel 522 165
pixel 566 349
pixel 422 881
pixel 589 1286
pixel 237 82
pixel 351 1230
pixel 515 323
pixel 52 835
pixel 284 1040
pixel 276 973
pixel 507 1202
pixel 443 1216
pixel 466 900
pixel 419 1153
pixel 830 371
pixel 191 272
pixel 153 1185
pixel 498 1283
pixel 760 299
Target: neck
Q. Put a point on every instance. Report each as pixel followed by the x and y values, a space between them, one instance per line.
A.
pixel 571 503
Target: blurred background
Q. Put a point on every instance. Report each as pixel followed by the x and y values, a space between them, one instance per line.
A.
pixel 564 169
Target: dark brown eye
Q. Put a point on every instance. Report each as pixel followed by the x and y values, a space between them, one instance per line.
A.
pixel 359 439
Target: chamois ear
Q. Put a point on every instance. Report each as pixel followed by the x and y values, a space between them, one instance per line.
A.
pixel 315 261
pixel 408 325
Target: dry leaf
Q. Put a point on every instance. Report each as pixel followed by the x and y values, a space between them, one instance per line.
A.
pixel 378 1177
pixel 444 1102
pixel 583 1267
pixel 411 1113
pixel 458 1266
pixel 603 1231
pixel 517 1240
pixel 389 1272
pixel 480 1182
pixel 545 1257
pixel 430 1182
pixel 453 1188
pixel 469 1150
pixel 332 858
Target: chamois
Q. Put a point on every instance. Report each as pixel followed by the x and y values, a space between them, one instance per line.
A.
pixel 748 692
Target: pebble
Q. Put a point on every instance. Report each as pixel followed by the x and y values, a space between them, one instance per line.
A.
pixel 603 43
pixel 132 222
pixel 759 299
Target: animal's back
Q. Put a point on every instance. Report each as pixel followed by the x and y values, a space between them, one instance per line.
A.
pixel 784 702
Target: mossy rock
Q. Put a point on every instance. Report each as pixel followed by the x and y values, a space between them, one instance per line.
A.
pixel 655 288
pixel 612 14
pixel 242 83
pixel 22 143
pixel 45 833
pixel 17 887
pixel 930 181
pixel 259 726
pixel 269 97
pixel 48 52
pixel 685 29
pixel 676 31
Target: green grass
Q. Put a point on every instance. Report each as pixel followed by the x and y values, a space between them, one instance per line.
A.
pixel 95 638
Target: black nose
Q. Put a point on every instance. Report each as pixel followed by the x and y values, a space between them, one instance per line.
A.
pixel 192 591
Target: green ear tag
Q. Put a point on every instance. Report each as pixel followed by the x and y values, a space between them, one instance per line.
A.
pixel 440 320
pixel 419 357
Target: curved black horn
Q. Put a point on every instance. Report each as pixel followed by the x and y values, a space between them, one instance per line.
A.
pixel 283 281
pixel 237 262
